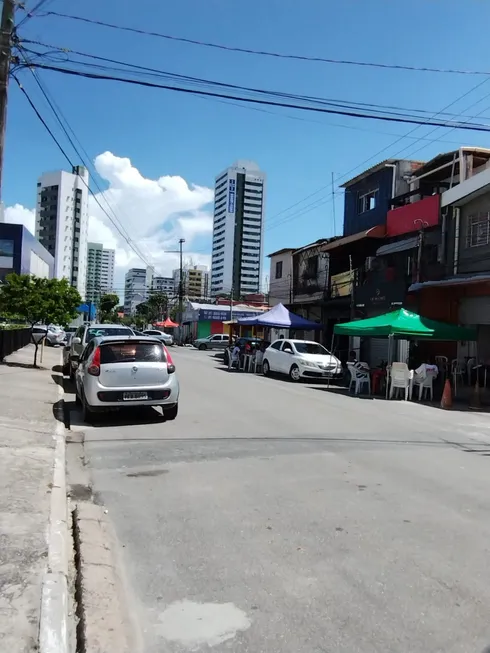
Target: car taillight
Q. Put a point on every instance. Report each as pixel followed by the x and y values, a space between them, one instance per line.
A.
pixel 94 367
pixel 170 363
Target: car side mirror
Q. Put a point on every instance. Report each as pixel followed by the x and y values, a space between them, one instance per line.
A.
pixel 76 341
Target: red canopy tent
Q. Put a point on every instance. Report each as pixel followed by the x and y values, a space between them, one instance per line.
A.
pixel 167 324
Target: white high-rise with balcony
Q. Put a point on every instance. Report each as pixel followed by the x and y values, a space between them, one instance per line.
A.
pixel 238 230
pixel 62 222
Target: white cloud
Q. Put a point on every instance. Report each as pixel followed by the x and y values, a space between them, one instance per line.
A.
pixel 18 214
pixel 154 212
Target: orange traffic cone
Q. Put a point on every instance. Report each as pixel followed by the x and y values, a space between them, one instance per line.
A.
pixel 475 402
pixel 447 396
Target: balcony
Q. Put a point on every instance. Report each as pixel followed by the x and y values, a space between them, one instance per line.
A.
pixel 410 217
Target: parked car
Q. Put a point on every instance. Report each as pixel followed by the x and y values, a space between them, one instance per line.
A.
pixel 255 343
pixel 118 371
pixel 301 359
pixel 54 335
pixel 165 337
pixel 69 333
pixel 83 335
pixel 216 341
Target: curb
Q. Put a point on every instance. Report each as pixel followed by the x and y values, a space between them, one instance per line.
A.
pixel 53 626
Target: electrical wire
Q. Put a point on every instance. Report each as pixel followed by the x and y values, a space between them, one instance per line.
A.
pixel 351 114
pixel 263 53
pixel 60 147
pixel 213 83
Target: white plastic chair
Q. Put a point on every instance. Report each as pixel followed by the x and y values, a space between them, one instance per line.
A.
pixel 233 361
pixel 425 384
pixel 458 370
pixel 257 361
pixel 358 378
pixel 401 379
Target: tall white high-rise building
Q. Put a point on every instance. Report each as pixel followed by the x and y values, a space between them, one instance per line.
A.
pixel 107 270
pixel 238 229
pixel 62 222
pixel 100 271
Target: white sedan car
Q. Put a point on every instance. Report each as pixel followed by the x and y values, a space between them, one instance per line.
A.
pixel 301 359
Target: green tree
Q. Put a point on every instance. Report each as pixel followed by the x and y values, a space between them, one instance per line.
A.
pixel 157 305
pixel 107 306
pixel 39 301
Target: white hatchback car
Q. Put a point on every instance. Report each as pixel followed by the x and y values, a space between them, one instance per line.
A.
pixel 115 372
pixel 301 359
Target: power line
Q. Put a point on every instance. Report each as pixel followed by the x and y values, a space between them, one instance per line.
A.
pixel 213 83
pixel 264 53
pixel 321 201
pixel 118 228
pixel 351 114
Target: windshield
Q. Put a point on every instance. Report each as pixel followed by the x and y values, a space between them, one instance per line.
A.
pixel 100 332
pixel 128 352
pixel 311 348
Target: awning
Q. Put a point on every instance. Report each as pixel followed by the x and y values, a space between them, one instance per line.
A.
pixel 463 280
pixel 375 232
pixel 407 325
pixel 280 318
pixel 398 246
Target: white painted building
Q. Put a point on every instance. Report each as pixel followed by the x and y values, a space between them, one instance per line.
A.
pixel 238 229
pixel 100 271
pixel 107 271
pixel 135 289
pixel 62 222
pixel 164 285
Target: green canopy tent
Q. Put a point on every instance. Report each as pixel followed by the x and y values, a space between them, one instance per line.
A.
pixel 406 325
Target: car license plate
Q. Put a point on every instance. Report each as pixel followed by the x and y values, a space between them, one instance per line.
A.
pixel 134 396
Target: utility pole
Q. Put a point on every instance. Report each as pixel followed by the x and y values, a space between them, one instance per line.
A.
pixel 181 286
pixel 6 32
pixel 423 224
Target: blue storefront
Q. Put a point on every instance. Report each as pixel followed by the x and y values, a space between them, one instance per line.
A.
pixel 22 253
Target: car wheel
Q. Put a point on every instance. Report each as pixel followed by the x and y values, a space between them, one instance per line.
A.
pixel 87 413
pixel 202 347
pixel 266 368
pixel 170 413
pixel 294 373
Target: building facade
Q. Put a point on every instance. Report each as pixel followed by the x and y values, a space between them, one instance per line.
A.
pixel 107 269
pixel 21 253
pixel 163 285
pixel 100 271
pixel 62 222
pixel 135 289
pixel 238 230
pixel 195 280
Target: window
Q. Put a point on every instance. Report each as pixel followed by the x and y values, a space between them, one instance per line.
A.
pixel 279 270
pixel 277 344
pixel 287 346
pixel 311 270
pixel 367 201
pixel 478 230
pixel 310 348
pixel 128 352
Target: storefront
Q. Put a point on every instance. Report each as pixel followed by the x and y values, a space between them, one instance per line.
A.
pixel 202 320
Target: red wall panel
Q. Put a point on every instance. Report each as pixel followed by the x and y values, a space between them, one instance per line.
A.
pixel 403 220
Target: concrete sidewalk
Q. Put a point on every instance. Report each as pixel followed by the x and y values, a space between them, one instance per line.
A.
pixel 28 398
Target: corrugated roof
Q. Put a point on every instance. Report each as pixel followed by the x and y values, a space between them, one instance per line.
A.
pixel 375 168
pixel 281 251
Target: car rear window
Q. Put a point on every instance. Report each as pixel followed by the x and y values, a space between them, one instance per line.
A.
pixel 132 352
pixel 100 332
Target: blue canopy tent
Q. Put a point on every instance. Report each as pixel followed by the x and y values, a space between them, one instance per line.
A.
pixel 280 318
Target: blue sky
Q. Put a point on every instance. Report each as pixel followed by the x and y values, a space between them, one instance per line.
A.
pixel 165 133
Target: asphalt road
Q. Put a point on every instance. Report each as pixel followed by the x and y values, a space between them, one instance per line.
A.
pixel 272 517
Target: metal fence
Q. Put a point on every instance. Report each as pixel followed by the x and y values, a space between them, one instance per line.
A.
pixel 13 339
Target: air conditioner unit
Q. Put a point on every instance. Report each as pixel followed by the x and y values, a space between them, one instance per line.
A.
pixel 369 264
